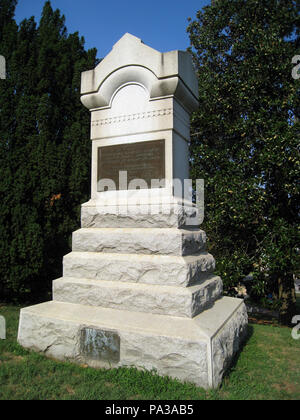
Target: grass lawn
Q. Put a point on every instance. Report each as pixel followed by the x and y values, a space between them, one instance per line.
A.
pixel 267 368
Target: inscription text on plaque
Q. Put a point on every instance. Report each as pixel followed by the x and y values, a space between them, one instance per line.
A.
pixel 142 160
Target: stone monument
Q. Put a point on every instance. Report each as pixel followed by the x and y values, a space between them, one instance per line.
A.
pixel 138 288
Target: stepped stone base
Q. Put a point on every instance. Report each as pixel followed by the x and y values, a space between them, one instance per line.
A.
pixel 196 350
pixel 139 290
pixel 156 299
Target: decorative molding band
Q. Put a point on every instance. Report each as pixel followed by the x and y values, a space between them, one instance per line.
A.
pixel 132 117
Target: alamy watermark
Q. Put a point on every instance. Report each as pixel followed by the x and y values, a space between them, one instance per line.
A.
pixel 2 328
pixel 296 69
pixel 139 197
pixel 296 329
pixel 2 67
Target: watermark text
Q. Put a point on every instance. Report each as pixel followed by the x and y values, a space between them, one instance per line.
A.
pixel 2 328
pixel 296 69
pixel 153 197
pixel 2 67
pixel 296 329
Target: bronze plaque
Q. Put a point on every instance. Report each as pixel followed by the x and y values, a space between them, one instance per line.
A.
pixel 100 345
pixel 142 160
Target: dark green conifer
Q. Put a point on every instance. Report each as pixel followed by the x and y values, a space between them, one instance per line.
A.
pixel 45 150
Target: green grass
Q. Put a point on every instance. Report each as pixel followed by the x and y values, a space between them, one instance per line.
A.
pixel 267 368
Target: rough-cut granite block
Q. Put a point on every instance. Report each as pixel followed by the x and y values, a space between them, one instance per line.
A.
pixel 155 216
pixel 164 300
pixel 133 268
pixel 149 241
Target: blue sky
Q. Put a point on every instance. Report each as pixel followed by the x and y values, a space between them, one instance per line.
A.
pixel 161 24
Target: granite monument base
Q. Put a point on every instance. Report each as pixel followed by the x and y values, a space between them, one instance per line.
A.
pixel 140 293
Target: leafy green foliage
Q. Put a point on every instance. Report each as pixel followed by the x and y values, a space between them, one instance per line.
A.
pixel 44 149
pixel 245 141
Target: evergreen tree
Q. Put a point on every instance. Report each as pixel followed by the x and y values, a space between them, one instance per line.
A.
pixel 7 12
pixel 246 142
pixel 46 152
pixel 8 36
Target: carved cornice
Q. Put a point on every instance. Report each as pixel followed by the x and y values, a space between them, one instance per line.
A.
pixel 131 117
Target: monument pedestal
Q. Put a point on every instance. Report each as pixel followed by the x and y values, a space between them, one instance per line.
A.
pixel 138 288
pixel 143 297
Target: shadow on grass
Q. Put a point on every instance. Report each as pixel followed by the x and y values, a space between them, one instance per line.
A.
pixel 231 368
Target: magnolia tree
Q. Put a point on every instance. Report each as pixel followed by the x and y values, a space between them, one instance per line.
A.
pixel 245 143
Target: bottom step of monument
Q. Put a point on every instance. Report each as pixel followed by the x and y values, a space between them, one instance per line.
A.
pixel 197 350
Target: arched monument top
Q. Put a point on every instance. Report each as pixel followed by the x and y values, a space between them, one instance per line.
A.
pixel 130 60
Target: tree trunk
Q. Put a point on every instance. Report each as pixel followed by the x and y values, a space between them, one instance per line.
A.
pixel 287 295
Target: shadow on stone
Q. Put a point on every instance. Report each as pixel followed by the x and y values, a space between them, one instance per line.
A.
pixel 235 359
